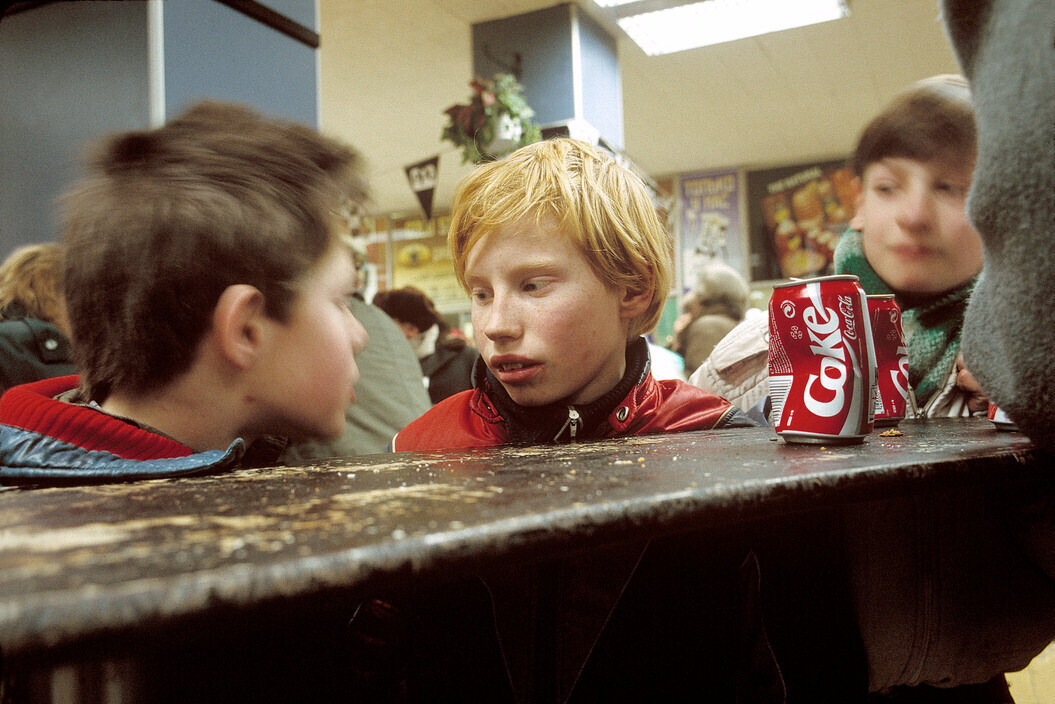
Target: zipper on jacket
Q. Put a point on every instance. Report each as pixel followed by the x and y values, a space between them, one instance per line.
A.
pixel 572 425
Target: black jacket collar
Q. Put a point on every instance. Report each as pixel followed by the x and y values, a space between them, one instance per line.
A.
pixel 533 425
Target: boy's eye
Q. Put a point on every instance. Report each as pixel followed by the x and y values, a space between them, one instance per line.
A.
pixel 952 189
pixel 534 286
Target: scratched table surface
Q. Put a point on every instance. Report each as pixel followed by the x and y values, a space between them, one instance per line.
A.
pixel 79 561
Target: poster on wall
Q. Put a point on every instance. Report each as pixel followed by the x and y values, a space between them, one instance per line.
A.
pixel 370 239
pixel 710 222
pixel 420 259
pixel 797 215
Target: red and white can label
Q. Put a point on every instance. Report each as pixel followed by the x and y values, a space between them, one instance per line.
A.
pixel 822 365
pixel 999 418
pixel 891 360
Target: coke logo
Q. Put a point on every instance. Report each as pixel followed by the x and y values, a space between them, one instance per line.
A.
pixel 822 325
pixel 899 376
pixel 846 307
pixel 788 308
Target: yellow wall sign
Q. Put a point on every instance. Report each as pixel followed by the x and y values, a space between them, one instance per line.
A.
pixel 420 259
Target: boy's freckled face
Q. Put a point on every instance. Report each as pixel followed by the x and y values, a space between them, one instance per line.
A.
pixel 916 233
pixel 546 326
pixel 314 371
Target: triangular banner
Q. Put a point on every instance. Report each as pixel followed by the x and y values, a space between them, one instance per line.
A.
pixel 423 177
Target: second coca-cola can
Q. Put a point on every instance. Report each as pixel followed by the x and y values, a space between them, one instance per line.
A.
pixel 891 360
pixel 998 417
pixel 822 366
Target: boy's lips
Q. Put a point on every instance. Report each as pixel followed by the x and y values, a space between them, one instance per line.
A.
pixel 514 369
pixel 909 251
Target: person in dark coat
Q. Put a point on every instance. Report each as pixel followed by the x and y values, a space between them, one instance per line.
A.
pixel 446 359
pixel 34 329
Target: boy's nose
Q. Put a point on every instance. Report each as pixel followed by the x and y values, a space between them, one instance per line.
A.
pixel 359 336
pixel 917 210
pixel 501 320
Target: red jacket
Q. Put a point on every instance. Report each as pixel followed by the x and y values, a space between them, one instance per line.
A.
pixel 471 419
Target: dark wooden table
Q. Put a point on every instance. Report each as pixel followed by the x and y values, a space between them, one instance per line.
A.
pixel 82 568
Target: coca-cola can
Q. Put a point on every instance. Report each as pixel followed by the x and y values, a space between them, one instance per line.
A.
pixel 822 365
pixel 891 360
pixel 999 418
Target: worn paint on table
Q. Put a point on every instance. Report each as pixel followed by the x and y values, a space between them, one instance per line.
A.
pixel 75 561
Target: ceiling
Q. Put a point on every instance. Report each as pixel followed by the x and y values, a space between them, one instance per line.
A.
pixel 388 69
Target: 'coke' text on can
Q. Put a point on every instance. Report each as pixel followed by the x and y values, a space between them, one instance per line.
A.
pixel 822 365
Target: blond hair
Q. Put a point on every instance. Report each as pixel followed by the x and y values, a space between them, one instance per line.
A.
pixel 31 278
pixel 606 208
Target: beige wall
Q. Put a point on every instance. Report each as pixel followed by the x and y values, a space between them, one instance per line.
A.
pixel 388 68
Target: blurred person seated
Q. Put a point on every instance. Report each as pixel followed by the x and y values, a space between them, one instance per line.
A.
pixel 909 236
pixel 709 312
pixel 34 327
pixel 207 290
pixel 446 359
pixel 389 393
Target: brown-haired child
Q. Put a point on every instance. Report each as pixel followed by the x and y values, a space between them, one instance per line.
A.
pixel 206 291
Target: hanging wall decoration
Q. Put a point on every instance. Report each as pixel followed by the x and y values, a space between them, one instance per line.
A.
pixel 496 120
pixel 422 177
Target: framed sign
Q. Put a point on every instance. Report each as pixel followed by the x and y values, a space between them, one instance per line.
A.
pixel 710 222
pixel 797 215
pixel 420 259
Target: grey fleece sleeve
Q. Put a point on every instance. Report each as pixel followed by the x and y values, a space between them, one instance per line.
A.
pixel 1007 51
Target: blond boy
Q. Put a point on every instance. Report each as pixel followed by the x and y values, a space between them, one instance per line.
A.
pixel 567 265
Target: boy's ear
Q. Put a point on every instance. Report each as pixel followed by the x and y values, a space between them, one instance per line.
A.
pixel 857 221
pixel 238 324
pixel 635 302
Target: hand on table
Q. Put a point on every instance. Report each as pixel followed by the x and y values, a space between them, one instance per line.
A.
pixel 977 401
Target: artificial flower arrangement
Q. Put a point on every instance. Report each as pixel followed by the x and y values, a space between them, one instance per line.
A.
pixel 496 121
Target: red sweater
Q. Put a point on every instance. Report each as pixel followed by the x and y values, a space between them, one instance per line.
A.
pixel 470 418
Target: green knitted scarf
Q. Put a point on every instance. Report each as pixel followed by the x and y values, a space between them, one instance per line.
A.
pixel 932 324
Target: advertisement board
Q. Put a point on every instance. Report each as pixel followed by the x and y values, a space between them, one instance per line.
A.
pixel 797 215
pixel 710 222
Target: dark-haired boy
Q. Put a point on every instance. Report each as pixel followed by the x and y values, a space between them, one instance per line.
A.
pixel 206 290
pixel 910 236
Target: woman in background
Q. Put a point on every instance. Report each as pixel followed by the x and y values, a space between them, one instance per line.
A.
pixel 714 307
pixel 34 328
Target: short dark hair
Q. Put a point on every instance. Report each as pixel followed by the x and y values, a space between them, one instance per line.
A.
pixel 166 219
pixel 932 120
pixel 408 305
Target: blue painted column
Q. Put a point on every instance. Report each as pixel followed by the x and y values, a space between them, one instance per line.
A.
pixel 72 72
pixel 569 69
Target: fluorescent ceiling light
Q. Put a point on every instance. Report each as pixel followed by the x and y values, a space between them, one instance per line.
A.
pixel 687 26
